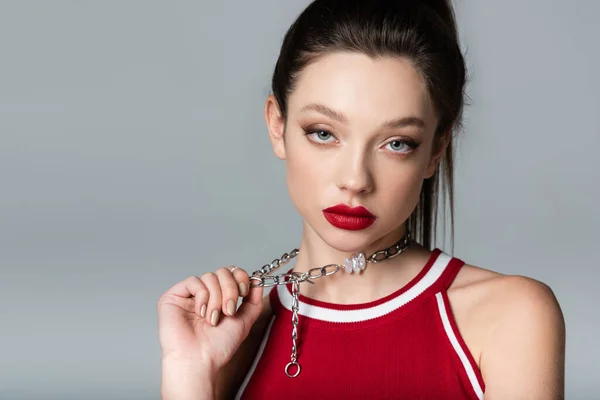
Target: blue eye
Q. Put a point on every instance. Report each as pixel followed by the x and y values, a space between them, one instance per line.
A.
pixel 400 146
pixel 320 136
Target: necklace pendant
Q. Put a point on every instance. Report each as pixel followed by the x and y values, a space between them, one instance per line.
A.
pixel 355 264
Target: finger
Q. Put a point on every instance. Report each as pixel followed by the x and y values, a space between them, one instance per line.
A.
pixel 242 278
pixel 213 307
pixel 229 289
pixel 201 299
pixel 185 288
pixel 252 305
pixel 255 294
pixel 187 294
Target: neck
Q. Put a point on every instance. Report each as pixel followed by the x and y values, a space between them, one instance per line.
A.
pixel 341 287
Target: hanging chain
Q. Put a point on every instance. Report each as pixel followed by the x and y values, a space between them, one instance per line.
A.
pixel 263 278
pixel 295 304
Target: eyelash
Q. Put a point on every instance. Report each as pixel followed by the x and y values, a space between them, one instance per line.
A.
pixel 412 145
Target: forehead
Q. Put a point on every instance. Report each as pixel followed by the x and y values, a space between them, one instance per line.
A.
pixel 363 87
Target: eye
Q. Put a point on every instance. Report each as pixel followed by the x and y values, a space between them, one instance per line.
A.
pixel 401 146
pixel 320 136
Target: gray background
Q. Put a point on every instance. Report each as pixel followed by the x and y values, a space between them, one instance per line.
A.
pixel 133 153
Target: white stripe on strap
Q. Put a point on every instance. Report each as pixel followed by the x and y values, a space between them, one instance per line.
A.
pixel 457 347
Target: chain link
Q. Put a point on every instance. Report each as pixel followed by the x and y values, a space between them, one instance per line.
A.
pixel 264 279
pixel 390 252
pixel 295 305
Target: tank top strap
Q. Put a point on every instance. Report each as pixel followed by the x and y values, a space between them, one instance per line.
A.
pixel 450 272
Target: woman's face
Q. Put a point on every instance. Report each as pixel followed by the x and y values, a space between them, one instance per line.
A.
pixel 359 132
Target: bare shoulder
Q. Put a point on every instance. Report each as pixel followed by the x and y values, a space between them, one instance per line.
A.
pixel 507 296
pixel 494 291
pixel 517 328
pixel 232 375
pixel 506 300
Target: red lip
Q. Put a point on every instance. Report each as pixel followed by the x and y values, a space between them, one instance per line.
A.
pixel 346 210
pixel 344 217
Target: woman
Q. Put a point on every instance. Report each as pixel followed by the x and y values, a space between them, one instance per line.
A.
pixel 367 99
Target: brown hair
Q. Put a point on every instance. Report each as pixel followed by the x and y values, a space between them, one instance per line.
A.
pixel 421 31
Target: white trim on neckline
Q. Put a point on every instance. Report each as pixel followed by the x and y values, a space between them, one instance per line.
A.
pixel 332 315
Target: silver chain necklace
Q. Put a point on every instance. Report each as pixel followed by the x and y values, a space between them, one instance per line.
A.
pixel 354 264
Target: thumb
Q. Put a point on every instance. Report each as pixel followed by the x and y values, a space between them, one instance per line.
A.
pixel 252 304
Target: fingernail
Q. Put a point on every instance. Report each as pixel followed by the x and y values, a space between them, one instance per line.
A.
pixel 243 288
pixel 231 307
pixel 203 311
pixel 215 317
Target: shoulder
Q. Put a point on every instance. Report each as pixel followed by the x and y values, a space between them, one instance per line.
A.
pixel 506 294
pixel 522 304
pixel 521 333
pixel 511 298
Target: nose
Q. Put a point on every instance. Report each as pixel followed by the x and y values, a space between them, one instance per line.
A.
pixel 354 174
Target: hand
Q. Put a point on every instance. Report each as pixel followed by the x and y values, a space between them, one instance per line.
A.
pixel 198 321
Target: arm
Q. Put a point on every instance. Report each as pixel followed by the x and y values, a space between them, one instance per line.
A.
pixel 231 376
pixel 187 381
pixel 523 356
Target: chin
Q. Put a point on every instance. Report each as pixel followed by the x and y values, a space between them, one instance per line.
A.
pixel 347 241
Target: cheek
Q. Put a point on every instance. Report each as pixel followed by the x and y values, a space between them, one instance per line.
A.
pixel 304 173
pixel 298 173
pixel 400 189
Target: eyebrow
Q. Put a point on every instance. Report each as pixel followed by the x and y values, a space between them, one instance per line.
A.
pixel 340 117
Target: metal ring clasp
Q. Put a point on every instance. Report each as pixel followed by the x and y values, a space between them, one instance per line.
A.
pixel 287 367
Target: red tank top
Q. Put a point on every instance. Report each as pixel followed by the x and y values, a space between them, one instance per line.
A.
pixel 403 346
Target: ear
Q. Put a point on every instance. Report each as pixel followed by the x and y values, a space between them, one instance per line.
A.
pixel 276 126
pixel 439 148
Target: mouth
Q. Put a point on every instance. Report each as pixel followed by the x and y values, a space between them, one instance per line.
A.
pixel 349 218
